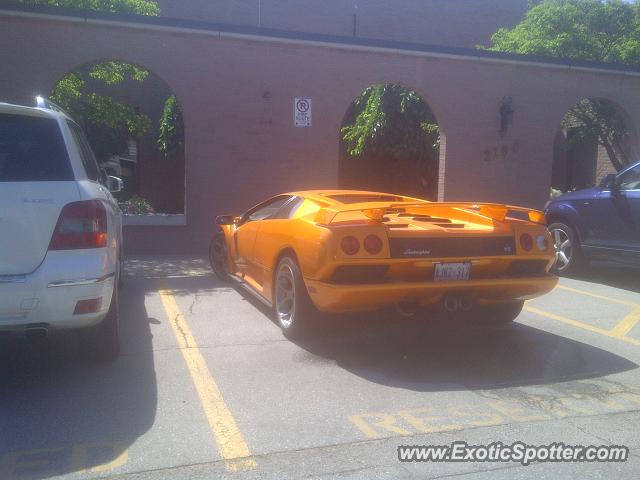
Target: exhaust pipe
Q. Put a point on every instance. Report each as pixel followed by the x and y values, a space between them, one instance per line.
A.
pixel 457 303
pixel 451 303
pixel 464 303
pixel 36 332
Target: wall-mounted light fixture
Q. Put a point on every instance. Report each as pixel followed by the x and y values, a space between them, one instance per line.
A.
pixel 506 115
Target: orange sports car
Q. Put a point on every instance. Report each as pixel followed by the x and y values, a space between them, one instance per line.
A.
pixel 344 250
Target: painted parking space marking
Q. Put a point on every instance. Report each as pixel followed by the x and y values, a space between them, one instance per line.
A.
pixel 627 324
pixel 598 296
pixel 619 331
pixel 584 326
pixel 499 408
pixel 231 444
pixel 80 458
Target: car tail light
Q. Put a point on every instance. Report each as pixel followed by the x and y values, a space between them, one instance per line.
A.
pixel 350 245
pixel 373 244
pixel 80 225
pixel 87 306
pixel 526 242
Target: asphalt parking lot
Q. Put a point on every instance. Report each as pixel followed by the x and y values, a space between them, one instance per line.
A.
pixel 207 387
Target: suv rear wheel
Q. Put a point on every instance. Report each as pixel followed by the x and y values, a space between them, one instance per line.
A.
pixel 569 258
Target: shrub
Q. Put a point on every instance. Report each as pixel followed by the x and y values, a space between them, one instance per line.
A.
pixel 136 206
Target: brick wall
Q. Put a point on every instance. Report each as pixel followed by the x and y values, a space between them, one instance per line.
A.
pixel 237 95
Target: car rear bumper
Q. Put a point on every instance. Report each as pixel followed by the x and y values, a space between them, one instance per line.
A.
pixel 343 298
pixel 49 295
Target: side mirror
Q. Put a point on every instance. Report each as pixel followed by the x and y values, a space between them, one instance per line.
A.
pixel 226 220
pixel 608 182
pixel 114 184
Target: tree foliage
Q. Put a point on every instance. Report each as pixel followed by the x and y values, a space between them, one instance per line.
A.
pixel 85 93
pixel 392 128
pixel 595 30
pixel 599 120
pixel 140 7
pixel 171 131
pixel 107 122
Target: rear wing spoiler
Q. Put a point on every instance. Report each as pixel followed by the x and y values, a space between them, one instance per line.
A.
pixel 376 211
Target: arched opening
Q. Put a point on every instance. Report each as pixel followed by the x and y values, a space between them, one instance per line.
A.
pixel 390 141
pixel 135 126
pixel 595 138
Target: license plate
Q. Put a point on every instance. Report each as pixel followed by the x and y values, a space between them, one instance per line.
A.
pixel 452 272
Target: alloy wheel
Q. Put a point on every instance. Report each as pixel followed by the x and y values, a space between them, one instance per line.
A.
pixel 563 248
pixel 285 295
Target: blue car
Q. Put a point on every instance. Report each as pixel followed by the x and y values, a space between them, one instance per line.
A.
pixel 597 223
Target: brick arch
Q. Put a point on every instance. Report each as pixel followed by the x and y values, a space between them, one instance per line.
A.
pixel 425 98
pixel 563 168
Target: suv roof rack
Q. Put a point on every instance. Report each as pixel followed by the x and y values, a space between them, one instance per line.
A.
pixel 42 102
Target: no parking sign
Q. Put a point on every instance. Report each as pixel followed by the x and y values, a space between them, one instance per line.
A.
pixel 302 112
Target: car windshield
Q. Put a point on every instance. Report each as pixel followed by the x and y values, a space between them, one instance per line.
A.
pixel 32 149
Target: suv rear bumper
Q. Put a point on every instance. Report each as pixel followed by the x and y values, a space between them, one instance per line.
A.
pixel 49 294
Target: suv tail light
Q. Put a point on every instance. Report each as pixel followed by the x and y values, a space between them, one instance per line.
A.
pixel 80 225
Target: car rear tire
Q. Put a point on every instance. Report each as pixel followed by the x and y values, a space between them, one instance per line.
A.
pixel 218 257
pixel 569 258
pixel 101 342
pixel 294 309
pixel 501 313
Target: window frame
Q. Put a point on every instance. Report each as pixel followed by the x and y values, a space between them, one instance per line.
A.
pixel 246 216
pixel 85 152
pixel 635 170
pixel 68 173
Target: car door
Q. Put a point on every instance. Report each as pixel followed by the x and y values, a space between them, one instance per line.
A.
pixel 627 202
pixel 273 234
pixel 613 217
pixel 246 233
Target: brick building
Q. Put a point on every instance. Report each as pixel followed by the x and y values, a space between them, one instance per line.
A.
pixel 237 84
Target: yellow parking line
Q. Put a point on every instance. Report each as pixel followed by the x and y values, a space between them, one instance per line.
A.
pixel 595 295
pixel 231 444
pixel 627 324
pixel 584 326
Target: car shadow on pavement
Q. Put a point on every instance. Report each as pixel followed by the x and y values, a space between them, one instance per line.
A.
pixel 438 354
pixel 61 413
pixel 612 275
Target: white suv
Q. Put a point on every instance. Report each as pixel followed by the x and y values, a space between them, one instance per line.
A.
pixel 60 230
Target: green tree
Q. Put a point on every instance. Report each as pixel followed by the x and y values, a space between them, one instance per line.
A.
pixel 171 130
pixel 595 30
pixel 600 120
pixel 107 122
pixel 85 93
pixel 140 7
pixel 394 131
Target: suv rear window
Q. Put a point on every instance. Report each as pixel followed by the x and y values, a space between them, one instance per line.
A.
pixel 32 150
